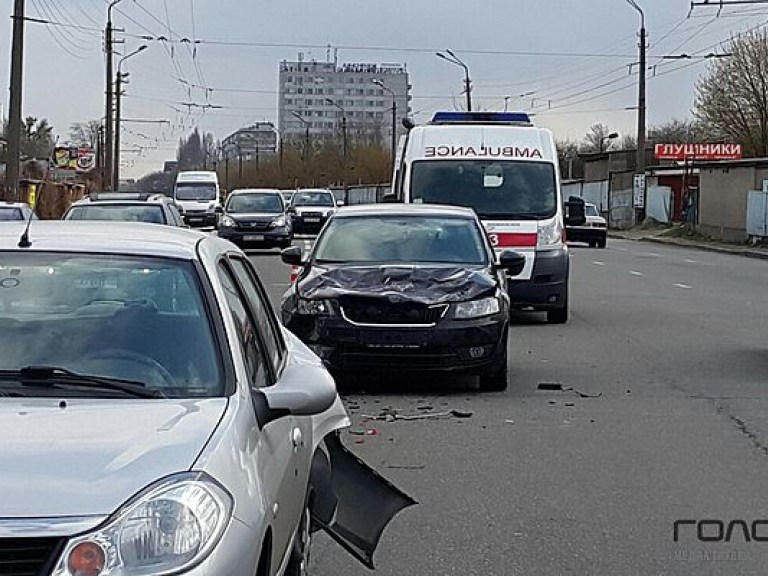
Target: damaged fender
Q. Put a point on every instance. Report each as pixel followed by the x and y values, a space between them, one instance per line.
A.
pixel 352 502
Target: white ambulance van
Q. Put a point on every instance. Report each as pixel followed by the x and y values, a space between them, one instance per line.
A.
pixel 507 170
pixel 197 196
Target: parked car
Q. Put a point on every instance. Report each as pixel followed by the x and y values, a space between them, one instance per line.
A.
pixel 255 217
pixel 593 232
pixel 310 209
pixel 10 211
pixel 404 287
pixel 156 417
pixel 126 207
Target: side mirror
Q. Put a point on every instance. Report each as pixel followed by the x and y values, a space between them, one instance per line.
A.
pixel 219 209
pixel 299 391
pixel 575 212
pixel 389 198
pixel 292 255
pixel 339 203
pixel 512 262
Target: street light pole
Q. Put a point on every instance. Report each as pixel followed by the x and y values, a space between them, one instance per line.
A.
pixel 118 101
pixel 16 88
pixel 453 59
pixel 344 146
pixel 108 119
pixel 393 152
pixel 641 101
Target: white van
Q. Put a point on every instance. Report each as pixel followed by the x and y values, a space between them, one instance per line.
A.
pixel 197 196
pixel 507 170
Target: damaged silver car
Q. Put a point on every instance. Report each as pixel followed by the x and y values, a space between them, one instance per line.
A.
pixel 157 419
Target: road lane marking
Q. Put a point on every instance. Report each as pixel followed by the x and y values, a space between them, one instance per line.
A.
pixel 683 286
pixel 636 273
pixel 689 261
pixel 597 263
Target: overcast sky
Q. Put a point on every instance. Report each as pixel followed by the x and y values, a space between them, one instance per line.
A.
pixel 573 56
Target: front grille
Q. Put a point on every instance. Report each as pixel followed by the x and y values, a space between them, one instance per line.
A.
pixel 399 358
pixel 311 214
pixel 28 556
pixel 379 311
pixel 253 225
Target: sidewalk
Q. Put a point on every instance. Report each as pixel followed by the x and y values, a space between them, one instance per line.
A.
pixel 658 236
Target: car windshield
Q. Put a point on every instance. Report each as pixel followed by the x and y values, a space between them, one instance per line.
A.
pixel 401 239
pixel 9 214
pixel 495 189
pixel 196 191
pixel 313 199
pixel 151 213
pixel 591 210
pixel 131 318
pixel 252 203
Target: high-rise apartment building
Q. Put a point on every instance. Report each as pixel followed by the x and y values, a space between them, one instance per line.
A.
pixel 316 97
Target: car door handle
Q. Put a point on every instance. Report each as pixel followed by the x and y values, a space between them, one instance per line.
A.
pixel 297 439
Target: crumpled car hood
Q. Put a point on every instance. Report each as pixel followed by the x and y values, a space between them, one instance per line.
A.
pixel 400 283
pixel 88 458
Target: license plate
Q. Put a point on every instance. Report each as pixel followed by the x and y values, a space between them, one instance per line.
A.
pixel 394 339
pixel 311 219
pixel 195 219
pixel 253 237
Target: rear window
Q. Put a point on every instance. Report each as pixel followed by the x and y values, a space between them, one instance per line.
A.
pixel 313 199
pixel 8 214
pixel 151 213
pixel 252 203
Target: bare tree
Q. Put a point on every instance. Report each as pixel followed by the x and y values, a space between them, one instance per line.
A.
pixel 732 99
pixel 677 132
pixel 85 133
pixel 598 139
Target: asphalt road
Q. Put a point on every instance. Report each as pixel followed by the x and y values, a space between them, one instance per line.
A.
pixel 673 343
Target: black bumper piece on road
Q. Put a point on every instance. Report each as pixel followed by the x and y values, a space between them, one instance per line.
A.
pixel 548 287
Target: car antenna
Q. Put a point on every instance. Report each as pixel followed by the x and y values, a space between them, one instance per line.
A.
pixel 24 241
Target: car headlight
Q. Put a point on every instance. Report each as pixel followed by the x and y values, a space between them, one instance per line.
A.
pixel 477 308
pixel 314 307
pixel 550 235
pixel 227 222
pixel 278 222
pixel 170 527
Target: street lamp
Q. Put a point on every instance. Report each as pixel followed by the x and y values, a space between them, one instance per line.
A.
pixel 453 59
pixel 604 139
pixel 118 99
pixel 344 144
pixel 508 98
pixel 380 84
pixel 108 117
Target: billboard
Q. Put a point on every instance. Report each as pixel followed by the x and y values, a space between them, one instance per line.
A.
pixel 681 152
pixel 72 158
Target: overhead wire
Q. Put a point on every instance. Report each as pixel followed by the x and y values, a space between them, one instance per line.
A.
pixel 57 36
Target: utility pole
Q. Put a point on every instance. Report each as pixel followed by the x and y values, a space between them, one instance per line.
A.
pixel 453 59
pixel 118 118
pixel 393 152
pixel 108 118
pixel 640 159
pixel 14 112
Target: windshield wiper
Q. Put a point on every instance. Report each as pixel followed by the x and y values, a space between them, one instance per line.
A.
pixel 53 376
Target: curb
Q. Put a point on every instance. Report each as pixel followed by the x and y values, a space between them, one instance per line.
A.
pixel 696 246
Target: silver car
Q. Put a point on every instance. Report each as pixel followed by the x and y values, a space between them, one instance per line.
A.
pixel 157 419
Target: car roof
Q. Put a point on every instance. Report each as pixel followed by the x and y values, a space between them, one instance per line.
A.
pixel 126 238
pixel 313 190
pixel 436 210
pixel 14 205
pixel 273 191
pixel 132 198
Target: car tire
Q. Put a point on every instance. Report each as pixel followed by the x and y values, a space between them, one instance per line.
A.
pixel 298 564
pixel 602 242
pixel 559 315
pixel 284 245
pixel 497 378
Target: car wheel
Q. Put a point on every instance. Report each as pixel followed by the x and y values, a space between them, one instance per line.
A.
pixel 558 315
pixel 592 244
pixel 287 244
pixel 496 379
pixel 298 565
pixel 601 243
